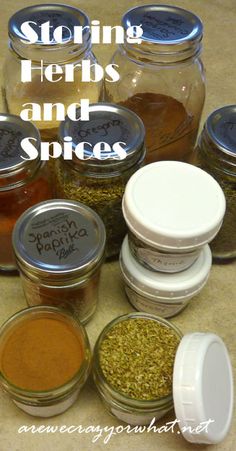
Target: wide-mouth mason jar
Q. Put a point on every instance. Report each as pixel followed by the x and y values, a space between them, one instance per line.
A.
pixel 23 182
pixel 172 209
pixel 162 78
pixel 59 247
pixel 161 293
pixel 99 179
pixel 38 55
pixel 216 154
pixel 25 372
pixel 195 360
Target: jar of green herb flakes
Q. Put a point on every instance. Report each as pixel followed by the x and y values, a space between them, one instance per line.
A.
pixel 217 155
pixel 98 178
pixel 143 367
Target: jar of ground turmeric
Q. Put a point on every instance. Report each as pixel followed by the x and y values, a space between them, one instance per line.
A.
pixel 61 56
pixel 59 247
pixel 162 79
pixel 23 182
pixel 44 360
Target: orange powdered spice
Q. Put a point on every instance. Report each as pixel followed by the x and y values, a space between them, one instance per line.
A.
pixel 41 354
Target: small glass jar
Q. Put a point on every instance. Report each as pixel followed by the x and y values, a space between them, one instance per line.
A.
pixel 59 247
pixel 200 358
pixel 40 90
pixel 54 401
pixel 161 293
pixel 216 153
pixel 99 181
pixel 23 182
pixel 162 79
pixel 172 209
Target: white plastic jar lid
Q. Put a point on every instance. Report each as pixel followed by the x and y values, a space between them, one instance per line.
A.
pixel 173 205
pixel 203 388
pixel 166 285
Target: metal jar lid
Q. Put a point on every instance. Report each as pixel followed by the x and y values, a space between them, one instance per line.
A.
pixel 14 169
pixel 168 31
pixel 220 129
pixel 57 15
pixel 107 123
pixel 59 239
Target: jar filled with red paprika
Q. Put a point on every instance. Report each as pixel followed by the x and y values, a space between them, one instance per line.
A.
pixel 23 182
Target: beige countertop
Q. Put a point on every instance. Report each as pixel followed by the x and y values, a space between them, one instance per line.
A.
pixel 213 310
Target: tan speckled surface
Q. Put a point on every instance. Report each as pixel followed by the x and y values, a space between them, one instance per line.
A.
pixel 213 310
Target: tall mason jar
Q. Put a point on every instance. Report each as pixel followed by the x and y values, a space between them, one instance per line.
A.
pixel 99 180
pixel 162 79
pixel 40 90
pixel 216 153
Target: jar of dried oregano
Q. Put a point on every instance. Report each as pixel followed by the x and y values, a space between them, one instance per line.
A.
pixel 59 247
pixel 143 367
pixel 65 85
pixel 162 78
pixel 217 155
pixel 99 179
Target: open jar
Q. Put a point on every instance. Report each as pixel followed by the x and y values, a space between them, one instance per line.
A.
pixel 98 178
pixel 172 209
pixel 162 79
pixel 23 182
pixel 34 345
pixel 140 355
pixel 216 153
pixel 161 293
pixel 59 247
pixel 39 55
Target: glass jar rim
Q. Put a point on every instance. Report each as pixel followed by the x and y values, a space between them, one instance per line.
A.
pixel 132 402
pixel 67 387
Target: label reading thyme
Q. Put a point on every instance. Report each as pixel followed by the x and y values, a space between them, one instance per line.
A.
pixel 137 358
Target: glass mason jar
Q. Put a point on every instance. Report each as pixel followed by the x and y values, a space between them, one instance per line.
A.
pixel 59 247
pixel 124 408
pixel 216 153
pixel 23 182
pixel 39 55
pixel 162 79
pixel 43 403
pixel 199 359
pixel 163 294
pixel 98 180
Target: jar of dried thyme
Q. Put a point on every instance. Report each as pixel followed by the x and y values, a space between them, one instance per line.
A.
pixel 216 154
pixel 143 367
pixel 98 179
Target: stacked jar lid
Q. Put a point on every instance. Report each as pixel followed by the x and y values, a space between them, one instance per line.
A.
pixel 172 210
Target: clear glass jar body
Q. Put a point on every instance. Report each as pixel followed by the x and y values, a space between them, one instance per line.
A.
pixel 157 259
pixel 131 411
pixel 168 97
pixel 18 192
pixel 102 191
pixel 223 168
pixel 56 401
pixel 78 296
pixel 17 93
